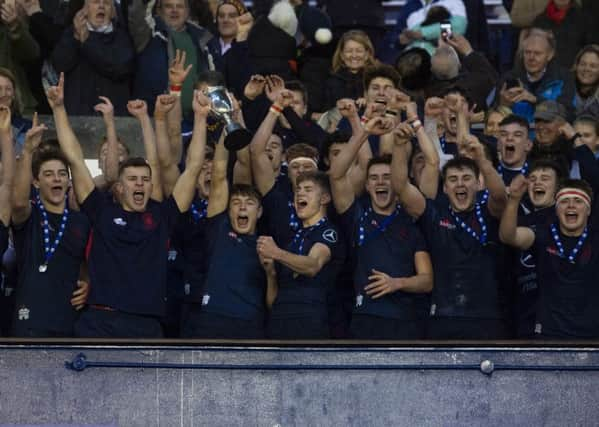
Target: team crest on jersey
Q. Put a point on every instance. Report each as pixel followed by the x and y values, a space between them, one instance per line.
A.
pixel 120 221
pixel 23 313
pixel 148 220
pixel 445 223
pixel 232 235
pixel 330 235
pixel 527 260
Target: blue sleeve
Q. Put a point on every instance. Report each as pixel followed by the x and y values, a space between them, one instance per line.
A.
pixel 427 220
pixel 348 221
pixel 418 241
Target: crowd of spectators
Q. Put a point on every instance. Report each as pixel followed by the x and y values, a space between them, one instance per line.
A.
pixel 398 184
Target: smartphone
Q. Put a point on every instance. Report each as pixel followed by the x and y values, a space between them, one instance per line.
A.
pixel 446 31
pixel 511 83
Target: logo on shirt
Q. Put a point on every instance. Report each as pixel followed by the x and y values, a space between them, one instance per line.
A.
pixel 148 220
pixel 552 250
pixel 23 313
pixel 232 235
pixel 527 260
pixel 330 235
pixel 359 300
pixel 172 255
pixel 205 299
pixel 120 221
pixel 445 223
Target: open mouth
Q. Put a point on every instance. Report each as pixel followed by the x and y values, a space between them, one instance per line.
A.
pixel 380 100
pixel 243 221
pixel 461 196
pixel 381 194
pixel 571 217
pixel 138 196
pixel 57 191
pixel 301 204
pixel 509 149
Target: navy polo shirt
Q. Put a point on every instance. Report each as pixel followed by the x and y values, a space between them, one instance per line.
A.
pixel 388 245
pixel 192 235
pixel 43 300
pixel 3 237
pixel 466 272
pixel 303 296
pixel 280 219
pixel 128 255
pixel 569 292
pixel 235 280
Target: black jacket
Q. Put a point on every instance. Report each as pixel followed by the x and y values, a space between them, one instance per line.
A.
pixel 343 84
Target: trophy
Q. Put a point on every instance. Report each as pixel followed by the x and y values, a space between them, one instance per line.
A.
pixel 222 107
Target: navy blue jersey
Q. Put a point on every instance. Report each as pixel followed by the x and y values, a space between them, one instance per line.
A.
pixel 280 219
pixel 192 229
pixel 43 300
pixel 568 292
pixel 235 280
pixel 525 271
pixel 128 255
pixel 3 237
pixel 466 271
pixel 387 244
pixel 301 296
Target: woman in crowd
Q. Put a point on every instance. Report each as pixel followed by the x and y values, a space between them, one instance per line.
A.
pixel 586 72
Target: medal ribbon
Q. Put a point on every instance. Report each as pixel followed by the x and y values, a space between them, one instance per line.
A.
pixel 560 246
pixel 300 236
pixel 199 211
pixel 50 248
pixel 362 237
pixel 481 220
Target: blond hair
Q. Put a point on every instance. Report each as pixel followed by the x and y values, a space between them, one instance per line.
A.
pixel 358 37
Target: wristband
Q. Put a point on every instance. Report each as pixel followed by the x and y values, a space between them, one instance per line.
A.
pixel 364 120
pixel 390 113
pixel 175 90
pixel 275 109
pixel 416 125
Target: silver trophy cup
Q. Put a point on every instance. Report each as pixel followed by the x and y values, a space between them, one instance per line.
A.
pixel 222 107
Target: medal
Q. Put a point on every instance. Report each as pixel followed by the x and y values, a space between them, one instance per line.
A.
pixel 302 233
pixel 50 248
pixel 560 246
pixel 481 221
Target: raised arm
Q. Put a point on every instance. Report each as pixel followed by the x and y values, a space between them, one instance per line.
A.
pixel 242 170
pixel 219 186
pixel 111 166
pixel 177 73
pixel 429 182
pixel 509 232
pixel 139 110
pixel 410 198
pixel 21 206
pixel 264 175
pixel 8 165
pixel 83 182
pixel 169 169
pixel 272 285
pixel 493 181
pixel 184 190
pixel 341 184
pixel 306 265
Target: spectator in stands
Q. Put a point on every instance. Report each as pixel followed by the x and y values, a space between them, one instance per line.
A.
pixel 586 71
pixel 588 128
pixel 156 41
pixel 493 117
pixel 354 53
pixel 473 72
pixel 9 97
pixel 97 56
pixel 18 49
pixel 539 77
pixel 524 12
pixel 571 27
pixel 230 27
pixel 413 25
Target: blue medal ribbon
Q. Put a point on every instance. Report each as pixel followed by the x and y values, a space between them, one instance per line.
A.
pixel 199 211
pixel 523 170
pixel 50 248
pixel 362 238
pixel 560 246
pixel 294 223
pixel 302 233
pixel 481 221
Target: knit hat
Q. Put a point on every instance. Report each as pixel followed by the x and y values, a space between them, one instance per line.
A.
pixel 314 24
pixel 283 16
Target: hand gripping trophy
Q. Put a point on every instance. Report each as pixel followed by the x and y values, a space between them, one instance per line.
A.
pixel 222 108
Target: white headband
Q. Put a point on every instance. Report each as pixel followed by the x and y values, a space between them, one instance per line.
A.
pixel 304 159
pixel 573 192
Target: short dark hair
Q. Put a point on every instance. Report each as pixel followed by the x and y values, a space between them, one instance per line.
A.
pixel 589 120
pixel 337 137
pixel 134 162
pixel 515 119
pixel 579 184
pixel 460 90
pixel 245 190
pixel 297 86
pixel 384 159
pixel 545 163
pixel 211 78
pixel 381 70
pixel 45 155
pixel 319 178
pixel 460 163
